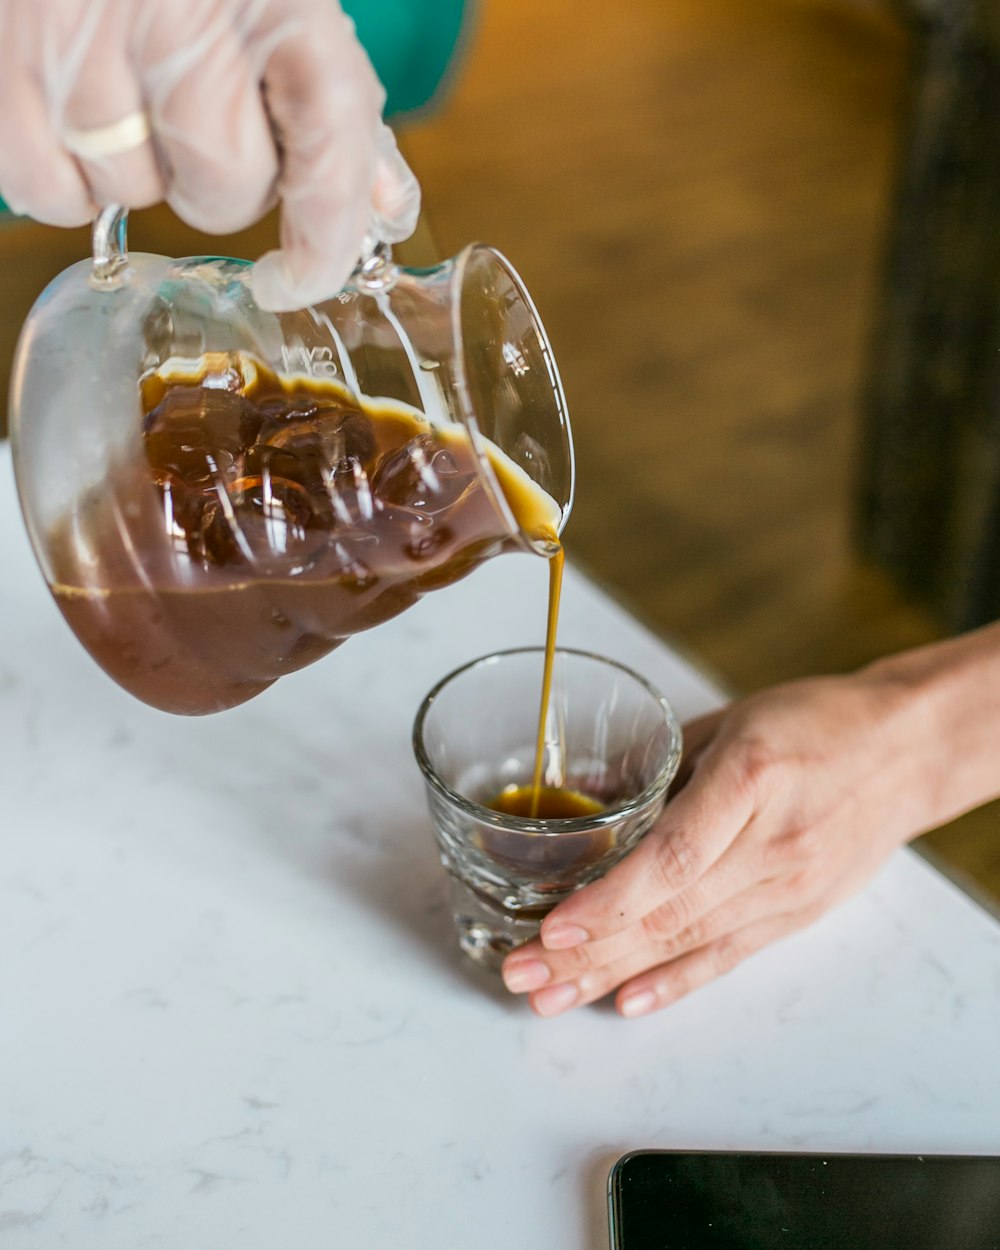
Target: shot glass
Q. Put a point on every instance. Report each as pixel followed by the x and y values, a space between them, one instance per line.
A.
pixel 609 735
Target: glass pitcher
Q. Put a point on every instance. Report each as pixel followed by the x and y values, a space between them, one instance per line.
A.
pixel 219 495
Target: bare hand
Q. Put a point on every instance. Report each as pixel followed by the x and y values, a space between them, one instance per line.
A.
pixel 791 800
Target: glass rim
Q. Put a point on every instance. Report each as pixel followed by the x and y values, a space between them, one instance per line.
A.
pixel 498 498
pixel 568 824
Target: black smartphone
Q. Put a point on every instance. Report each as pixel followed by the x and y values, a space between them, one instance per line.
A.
pixel 676 1200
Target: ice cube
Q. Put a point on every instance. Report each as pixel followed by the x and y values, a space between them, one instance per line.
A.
pixel 318 432
pixel 427 535
pixel 269 521
pixel 198 434
pixel 350 494
pixel 422 474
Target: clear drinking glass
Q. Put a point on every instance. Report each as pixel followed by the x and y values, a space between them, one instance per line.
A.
pixel 609 735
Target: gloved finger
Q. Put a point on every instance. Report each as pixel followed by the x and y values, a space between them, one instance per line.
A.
pixel 211 127
pixel 37 175
pixel 99 112
pixel 325 103
pixel 396 195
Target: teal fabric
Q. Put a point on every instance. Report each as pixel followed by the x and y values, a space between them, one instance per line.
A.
pixel 411 44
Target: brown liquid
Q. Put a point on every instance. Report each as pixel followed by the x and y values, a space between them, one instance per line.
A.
pixel 537 801
pixel 258 521
pixel 556 563
pixel 552 863
pixel 544 803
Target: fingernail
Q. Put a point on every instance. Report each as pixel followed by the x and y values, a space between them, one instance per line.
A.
pixel 555 999
pixel 561 937
pixel 529 975
pixel 637 1004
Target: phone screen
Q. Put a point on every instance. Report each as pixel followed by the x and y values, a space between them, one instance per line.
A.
pixel 668 1200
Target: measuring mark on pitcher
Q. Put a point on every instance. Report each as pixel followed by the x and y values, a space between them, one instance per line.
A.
pixel 318 362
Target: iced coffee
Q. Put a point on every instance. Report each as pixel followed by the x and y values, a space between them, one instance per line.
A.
pixel 258 521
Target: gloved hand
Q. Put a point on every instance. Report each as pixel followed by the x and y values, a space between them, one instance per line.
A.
pixel 216 106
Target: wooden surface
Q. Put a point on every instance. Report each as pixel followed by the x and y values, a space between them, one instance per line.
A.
pixel 929 503
pixel 695 192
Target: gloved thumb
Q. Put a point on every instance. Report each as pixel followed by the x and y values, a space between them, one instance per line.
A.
pixel 396 195
pixel 322 231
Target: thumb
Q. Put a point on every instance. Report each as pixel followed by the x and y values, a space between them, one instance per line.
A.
pixel 396 195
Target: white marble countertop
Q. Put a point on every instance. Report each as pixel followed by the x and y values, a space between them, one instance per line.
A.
pixel 232 1015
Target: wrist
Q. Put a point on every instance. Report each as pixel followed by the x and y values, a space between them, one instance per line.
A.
pixel 943 717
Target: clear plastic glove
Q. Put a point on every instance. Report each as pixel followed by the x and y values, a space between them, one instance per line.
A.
pixel 216 106
pixel 791 799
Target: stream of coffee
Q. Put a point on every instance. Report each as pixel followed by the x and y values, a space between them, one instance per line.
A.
pixel 556 564
pixel 538 801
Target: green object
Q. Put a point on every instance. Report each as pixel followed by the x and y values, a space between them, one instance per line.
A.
pixel 411 44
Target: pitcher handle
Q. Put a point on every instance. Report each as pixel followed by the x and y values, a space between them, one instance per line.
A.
pixel 110 248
